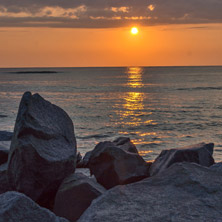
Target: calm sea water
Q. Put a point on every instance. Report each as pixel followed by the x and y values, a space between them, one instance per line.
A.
pixel 157 107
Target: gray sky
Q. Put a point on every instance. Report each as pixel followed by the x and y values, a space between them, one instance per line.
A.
pixel 107 13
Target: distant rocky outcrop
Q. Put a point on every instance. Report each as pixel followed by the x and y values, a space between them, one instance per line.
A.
pixel 75 195
pixel 183 192
pixel 199 153
pixel 113 166
pixel 43 149
pixel 15 207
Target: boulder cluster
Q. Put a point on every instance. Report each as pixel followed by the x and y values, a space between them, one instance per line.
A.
pixel 43 178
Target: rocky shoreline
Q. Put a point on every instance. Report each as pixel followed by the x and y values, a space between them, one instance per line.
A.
pixel 43 178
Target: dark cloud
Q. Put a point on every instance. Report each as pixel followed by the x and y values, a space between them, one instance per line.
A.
pixel 107 13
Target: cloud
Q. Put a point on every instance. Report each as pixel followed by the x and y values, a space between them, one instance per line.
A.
pixel 107 13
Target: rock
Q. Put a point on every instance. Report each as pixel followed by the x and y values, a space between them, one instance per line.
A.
pixel 43 149
pixel 84 171
pixel 78 157
pixel 199 153
pixel 4 151
pixel 75 196
pixel 217 167
pixel 125 144
pixel 16 207
pixel 84 163
pixel 183 192
pixel 113 166
pixel 5 136
pixel 4 185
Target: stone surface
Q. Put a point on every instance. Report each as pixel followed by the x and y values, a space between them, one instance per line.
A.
pixel 217 167
pixel 183 192
pixel 15 207
pixel 84 163
pixel 5 136
pixel 125 144
pixel 43 149
pixel 75 195
pixel 199 153
pixel 4 151
pixel 113 166
pixel 4 185
pixel 84 171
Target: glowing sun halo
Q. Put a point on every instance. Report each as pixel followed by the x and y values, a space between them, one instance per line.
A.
pixel 134 30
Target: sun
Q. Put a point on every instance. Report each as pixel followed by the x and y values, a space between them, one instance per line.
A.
pixel 134 31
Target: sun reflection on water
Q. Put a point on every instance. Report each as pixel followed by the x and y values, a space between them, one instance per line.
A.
pixel 135 77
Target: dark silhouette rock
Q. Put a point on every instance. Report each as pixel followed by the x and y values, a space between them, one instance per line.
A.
pixel 5 136
pixel 75 195
pixel 4 151
pixel 199 153
pixel 125 144
pixel 4 185
pixel 113 166
pixel 84 163
pixel 43 149
pixel 15 207
pixel 183 192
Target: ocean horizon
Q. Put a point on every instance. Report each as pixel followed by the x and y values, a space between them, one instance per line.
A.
pixel 157 107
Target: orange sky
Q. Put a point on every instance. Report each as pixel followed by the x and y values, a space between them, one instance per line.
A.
pixel 170 45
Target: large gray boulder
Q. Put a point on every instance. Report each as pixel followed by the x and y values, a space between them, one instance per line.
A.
pixel 75 195
pixel 15 207
pixel 114 166
pixel 4 184
pixel 183 192
pixel 4 151
pixel 199 153
pixel 43 149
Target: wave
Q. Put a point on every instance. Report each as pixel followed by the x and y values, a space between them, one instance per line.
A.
pixel 93 136
pixel 3 116
pixel 201 88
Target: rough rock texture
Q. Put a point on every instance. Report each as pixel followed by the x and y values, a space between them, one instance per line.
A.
pixel 5 136
pixel 199 153
pixel 217 167
pixel 84 171
pixel 43 149
pixel 15 207
pixel 75 195
pixel 125 144
pixel 183 192
pixel 4 151
pixel 4 185
pixel 113 166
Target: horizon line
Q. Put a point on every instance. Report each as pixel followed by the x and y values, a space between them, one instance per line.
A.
pixel 64 67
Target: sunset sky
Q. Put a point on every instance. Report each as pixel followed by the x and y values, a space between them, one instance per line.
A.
pixel 69 33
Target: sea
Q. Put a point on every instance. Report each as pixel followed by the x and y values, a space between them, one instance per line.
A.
pixel 157 107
